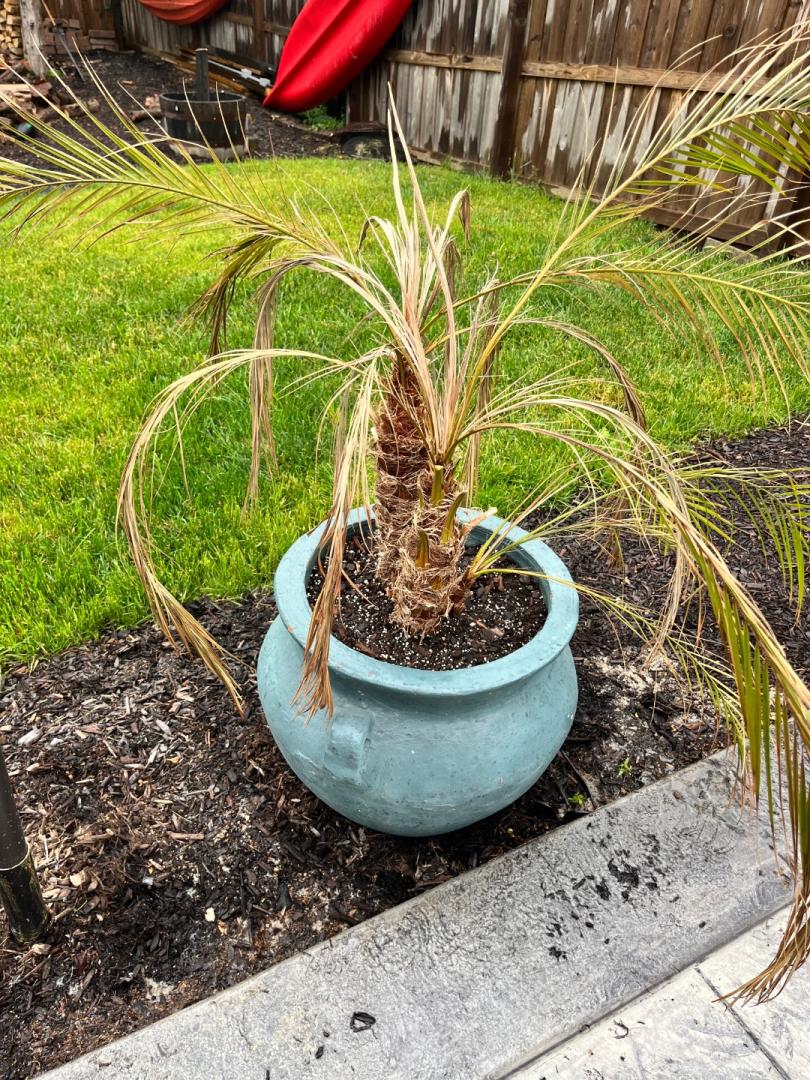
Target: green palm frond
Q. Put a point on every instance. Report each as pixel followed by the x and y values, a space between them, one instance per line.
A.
pixel 745 117
pixel 770 717
pixel 90 172
pixel 774 505
pixel 764 305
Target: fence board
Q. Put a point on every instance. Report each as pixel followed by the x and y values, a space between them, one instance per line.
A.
pixel 83 16
pixel 250 29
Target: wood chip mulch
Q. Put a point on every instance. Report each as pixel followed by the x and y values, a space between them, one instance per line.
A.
pixel 179 854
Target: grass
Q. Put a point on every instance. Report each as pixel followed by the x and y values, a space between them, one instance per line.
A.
pixel 89 335
pixel 320 119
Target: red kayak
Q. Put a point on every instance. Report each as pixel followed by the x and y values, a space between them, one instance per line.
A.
pixel 329 44
pixel 183 12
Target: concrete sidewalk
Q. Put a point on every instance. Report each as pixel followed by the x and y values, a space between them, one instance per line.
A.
pixel 481 977
pixel 681 1032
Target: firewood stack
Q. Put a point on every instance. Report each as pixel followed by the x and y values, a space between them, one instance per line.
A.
pixel 54 42
pixel 10 35
pixel 80 40
pixel 15 95
pixel 39 99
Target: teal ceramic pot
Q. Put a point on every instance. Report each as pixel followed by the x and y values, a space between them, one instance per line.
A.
pixel 414 752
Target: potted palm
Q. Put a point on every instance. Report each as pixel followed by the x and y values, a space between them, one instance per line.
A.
pixel 423 750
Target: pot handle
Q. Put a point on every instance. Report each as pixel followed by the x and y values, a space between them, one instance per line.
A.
pixel 347 746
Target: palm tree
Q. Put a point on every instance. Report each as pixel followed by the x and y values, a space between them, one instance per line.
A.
pixel 414 409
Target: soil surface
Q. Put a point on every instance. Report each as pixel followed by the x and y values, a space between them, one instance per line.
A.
pixel 501 613
pixel 179 854
pixel 133 78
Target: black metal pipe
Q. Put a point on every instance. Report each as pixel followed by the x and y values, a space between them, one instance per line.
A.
pixel 201 71
pixel 20 893
pixel 13 846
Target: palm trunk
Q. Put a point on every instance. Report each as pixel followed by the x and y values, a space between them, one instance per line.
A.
pixel 419 543
pixel 400 460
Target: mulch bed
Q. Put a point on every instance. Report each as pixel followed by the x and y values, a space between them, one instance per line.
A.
pixel 501 613
pixel 179 854
pixel 132 77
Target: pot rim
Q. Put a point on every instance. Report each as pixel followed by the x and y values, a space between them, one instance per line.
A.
pixel 220 97
pixel 562 602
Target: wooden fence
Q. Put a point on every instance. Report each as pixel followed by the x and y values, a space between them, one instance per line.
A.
pixel 87 24
pixel 251 31
pixel 528 87
pixel 545 88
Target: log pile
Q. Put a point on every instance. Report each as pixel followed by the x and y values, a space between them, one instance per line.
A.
pixel 10 33
pixel 42 100
pixel 66 32
pixel 79 39
pixel 17 95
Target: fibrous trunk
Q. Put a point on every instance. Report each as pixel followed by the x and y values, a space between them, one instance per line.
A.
pixel 400 459
pixel 419 543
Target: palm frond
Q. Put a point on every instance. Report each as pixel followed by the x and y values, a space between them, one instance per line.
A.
pixel 174 620
pixel 763 305
pixel 766 684
pixel 744 117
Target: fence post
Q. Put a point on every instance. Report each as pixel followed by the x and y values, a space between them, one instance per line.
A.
pixel 31 32
pixel 511 66
pixel 118 25
pixel 259 36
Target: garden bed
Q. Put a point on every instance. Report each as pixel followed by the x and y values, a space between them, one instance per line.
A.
pixel 133 79
pixel 179 854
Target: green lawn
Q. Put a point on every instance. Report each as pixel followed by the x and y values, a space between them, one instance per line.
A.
pixel 87 337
